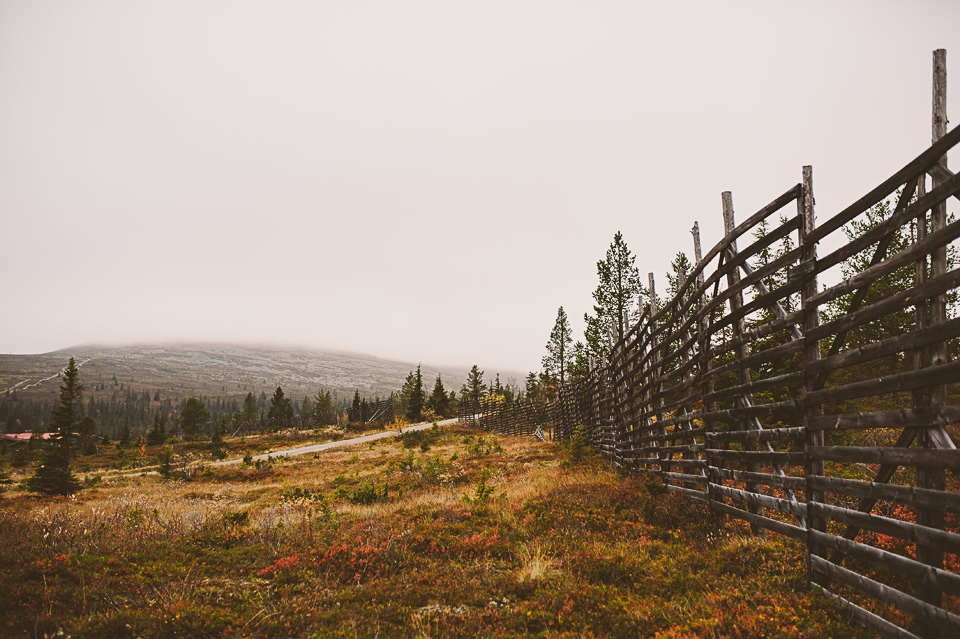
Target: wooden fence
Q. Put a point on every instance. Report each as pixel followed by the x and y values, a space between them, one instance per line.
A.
pixel 381 412
pixel 812 396
pixel 509 418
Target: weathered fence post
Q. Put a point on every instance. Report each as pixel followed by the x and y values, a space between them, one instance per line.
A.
pixel 699 326
pixel 656 379
pixel 705 351
pixel 929 476
pixel 739 328
pixel 614 423
pixel 813 467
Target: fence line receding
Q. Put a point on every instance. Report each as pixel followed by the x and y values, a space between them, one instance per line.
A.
pixel 803 397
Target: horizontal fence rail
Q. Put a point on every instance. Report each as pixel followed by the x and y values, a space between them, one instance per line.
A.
pixel 823 412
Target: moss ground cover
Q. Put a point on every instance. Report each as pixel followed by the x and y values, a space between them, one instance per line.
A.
pixel 465 535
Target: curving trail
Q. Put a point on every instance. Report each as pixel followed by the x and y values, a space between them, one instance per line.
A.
pixel 315 448
pixel 19 385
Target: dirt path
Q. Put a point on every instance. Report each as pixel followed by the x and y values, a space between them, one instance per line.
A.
pixel 300 450
pixel 19 386
pixel 316 448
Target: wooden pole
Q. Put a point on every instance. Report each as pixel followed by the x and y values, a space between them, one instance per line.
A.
pixel 697 254
pixel 933 477
pixel 704 355
pixel 703 339
pixel 811 353
pixel 656 378
pixel 739 328
pixel 938 264
pixel 920 276
pixel 736 300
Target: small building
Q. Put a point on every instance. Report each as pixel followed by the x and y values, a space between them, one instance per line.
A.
pixel 14 439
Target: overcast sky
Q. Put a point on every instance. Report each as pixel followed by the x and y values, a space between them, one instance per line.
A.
pixel 417 180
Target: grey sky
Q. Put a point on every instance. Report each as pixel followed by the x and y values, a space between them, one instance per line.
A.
pixel 420 180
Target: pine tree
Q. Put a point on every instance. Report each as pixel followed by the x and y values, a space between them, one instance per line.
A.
pixel 579 370
pixel 557 359
pixel 281 410
pixel 357 413
pixel 416 397
pixel 532 387
pixel 680 269
pixel 249 408
pixel 616 298
pixel 306 408
pixel 193 417
pixel 217 449
pixel 124 434
pixel 87 430
pixel 158 434
pixel 899 321
pixel 439 402
pixel 53 476
pixel 403 395
pixel 475 387
pixel 324 411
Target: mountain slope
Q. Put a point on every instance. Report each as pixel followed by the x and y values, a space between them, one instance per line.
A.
pixel 217 370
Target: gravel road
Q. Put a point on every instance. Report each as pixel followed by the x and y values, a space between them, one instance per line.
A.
pixel 316 448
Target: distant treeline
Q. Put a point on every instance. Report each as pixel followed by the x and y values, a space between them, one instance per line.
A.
pixel 139 410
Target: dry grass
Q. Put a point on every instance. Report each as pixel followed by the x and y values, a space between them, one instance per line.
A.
pixel 384 540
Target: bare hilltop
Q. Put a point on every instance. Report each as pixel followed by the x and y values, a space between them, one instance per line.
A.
pixel 214 370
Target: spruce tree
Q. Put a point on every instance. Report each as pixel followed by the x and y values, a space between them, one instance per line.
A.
pixel 416 397
pixel 124 434
pixel 356 414
pixel 87 428
pixel 323 409
pixel 217 448
pixel 193 417
pixel 532 387
pixel 53 476
pixel 158 434
pixel 439 402
pixel 249 408
pixel 281 410
pixel 306 409
pixel 475 387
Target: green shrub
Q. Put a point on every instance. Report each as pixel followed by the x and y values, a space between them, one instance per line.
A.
pixel 483 447
pixel 5 481
pixel 22 455
pixel 423 439
pixel 366 494
pixel 482 493
pixel 433 469
pixel 239 519
pixel 165 458
pixel 578 446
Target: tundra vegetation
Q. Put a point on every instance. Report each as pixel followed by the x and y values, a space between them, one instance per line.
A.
pixel 446 532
